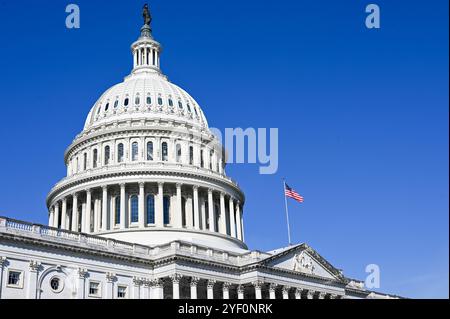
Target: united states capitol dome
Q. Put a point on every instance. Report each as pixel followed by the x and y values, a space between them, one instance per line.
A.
pixel 146 92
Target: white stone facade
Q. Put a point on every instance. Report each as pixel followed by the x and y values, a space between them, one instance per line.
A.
pixel 146 211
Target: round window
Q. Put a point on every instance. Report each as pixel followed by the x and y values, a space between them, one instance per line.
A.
pixel 56 284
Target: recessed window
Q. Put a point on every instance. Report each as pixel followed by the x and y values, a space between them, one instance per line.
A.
pixel 150 151
pixel 84 161
pixel 195 110
pixel 180 105
pixel 127 100
pixel 55 284
pixel 95 158
pixel 137 101
pixel 134 209
pixel 150 209
pixel 15 279
pixel 170 102
pixel 165 152
pixel 106 107
pixel 117 210
pixel 166 205
pixel 107 154
pixel 94 289
pixel 134 151
pixel 120 153
pixel 149 100
pixel 178 153
pixel 116 103
pixel 160 101
pixel 191 155
pixel 121 292
pixel 202 161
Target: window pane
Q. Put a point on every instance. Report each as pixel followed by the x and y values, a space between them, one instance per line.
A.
pixel 149 100
pixel 150 209
pixel 149 151
pixel 126 102
pixel 134 151
pixel 166 210
pixel 178 153
pixel 165 153
pixel 134 209
pixel 117 210
pixel 94 161
pixel 120 153
pixel 107 155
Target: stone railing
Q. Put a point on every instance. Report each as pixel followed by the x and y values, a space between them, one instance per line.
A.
pixel 36 231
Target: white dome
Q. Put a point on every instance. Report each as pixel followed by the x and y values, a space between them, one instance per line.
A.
pixel 145 95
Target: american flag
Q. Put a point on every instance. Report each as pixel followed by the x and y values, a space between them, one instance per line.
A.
pixel 289 192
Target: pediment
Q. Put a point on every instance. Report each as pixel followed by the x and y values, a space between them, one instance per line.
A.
pixel 304 260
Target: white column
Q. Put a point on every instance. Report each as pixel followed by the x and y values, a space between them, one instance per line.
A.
pixel 196 210
pixel 88 211
pixel 257 285
pixel 322 295
pixel 298 293
pixel 96 215
pixel 141 205
pixel 232 219
pixel 310 294
pixel 212 214
pixel 75 212
pixel 147 289
pixel 238 220
pixel 194 283
pixel 2 267
pixel 189 214
pixel 286 292
pixel 272 288
pixel 83 218
pixel 158 292
pixel 210 289
pixel 81 289
pixel 222 220
pixel 122 207
pixel 178 213
pixel 226 290
pixel 159 218
pixel 203 211
pixel 32 279
pixel 50 217
pixel 136 288
pixel 105 208
pixel 240 292
pixel 175 286
pixel 110 278
pixel 64 214
pixel 56 217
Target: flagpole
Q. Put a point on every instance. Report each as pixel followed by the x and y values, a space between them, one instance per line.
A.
pixel 287 213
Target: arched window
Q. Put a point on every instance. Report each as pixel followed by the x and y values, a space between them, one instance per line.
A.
pixel 160 101
pixel 116 103
pixel 211 157
pixel 134 151
pixel 150 209
pixel 106 106
pixel 170 102
pixel 134 204
pixel 149 100
pixel 120 153
pixel 189 108
pixel 94 158
pixel 85 161
pixel 137 100
pixel 150 151
pixel 202 160
pixel 107 154
pixel 117 210
pixel 180 105
pixel 191 155
pixel 166 204
pixel 127 100
pixel 165 152
pixel 178 153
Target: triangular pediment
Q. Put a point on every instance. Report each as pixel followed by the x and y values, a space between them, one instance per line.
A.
pixel 303 260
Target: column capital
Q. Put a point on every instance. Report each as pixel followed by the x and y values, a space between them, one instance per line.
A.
pixel 333 296
pixel 211 283
pixel 258 284
pixel 298 291
pixel 137 281
pixel 147 282
pixel 195 187
pixel 240 289
pixel 210 191
pixel 64 200
pixel 105 187
pixel 157 283
pixel 75 195
pixel 122 185
pixel 273 286
pixel 227 285
pixel 2 261
pixel 110 277
pixel 194 281
pixel 322 295
pixel 160 184
pixel 286 289
pixel 88 190
pixel 222 194
pixel 141 184
pixel 82 273
pixel 175 278
pixel 310 294
pixel 34 265
pixel 178 185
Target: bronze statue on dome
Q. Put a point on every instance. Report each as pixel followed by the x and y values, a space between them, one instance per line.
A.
pixel 147 16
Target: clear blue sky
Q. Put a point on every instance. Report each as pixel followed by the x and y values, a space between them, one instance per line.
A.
pixel 363 114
